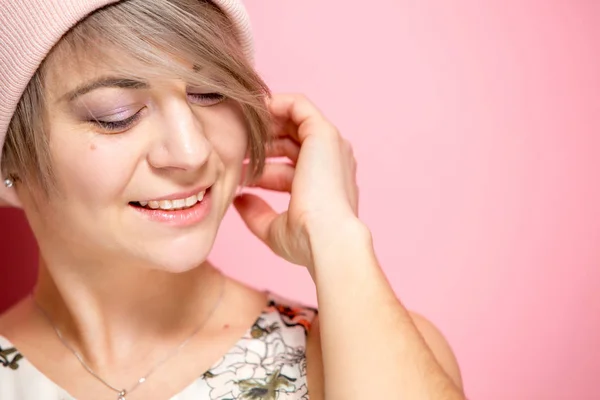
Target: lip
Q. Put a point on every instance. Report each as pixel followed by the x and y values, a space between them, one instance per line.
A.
pixel 179 218
pixel 180 195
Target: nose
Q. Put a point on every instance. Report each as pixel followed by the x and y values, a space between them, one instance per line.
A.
pixel 181 144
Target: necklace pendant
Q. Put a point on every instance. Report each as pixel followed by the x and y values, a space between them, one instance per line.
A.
pixel 122 394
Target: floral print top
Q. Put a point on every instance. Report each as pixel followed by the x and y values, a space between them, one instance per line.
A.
pixel 267 363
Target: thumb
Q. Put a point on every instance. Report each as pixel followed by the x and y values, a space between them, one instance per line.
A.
pixel 256 214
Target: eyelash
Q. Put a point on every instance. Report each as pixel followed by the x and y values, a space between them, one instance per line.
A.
pixel 216 97
pixel 118 126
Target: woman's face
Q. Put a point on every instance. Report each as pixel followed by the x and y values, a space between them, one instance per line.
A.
pixel 146 168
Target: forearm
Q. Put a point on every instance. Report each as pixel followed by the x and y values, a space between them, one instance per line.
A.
pixel 371 347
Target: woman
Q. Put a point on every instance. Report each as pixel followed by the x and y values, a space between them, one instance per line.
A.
pixel 126 128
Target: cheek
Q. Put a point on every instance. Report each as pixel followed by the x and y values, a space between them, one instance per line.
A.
pixel 228 136
pixel 94 169
pixel 231 148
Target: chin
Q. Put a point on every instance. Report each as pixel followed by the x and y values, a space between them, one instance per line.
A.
pixel 180 256
pixel 179 263
pixel 172 249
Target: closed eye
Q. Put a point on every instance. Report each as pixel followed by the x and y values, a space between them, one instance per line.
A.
pixel 202 99
pixel 119 125
pixel 206 99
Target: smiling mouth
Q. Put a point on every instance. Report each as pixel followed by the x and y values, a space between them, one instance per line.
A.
pixel 171 205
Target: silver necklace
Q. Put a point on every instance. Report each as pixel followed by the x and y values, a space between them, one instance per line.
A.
pixel 121 393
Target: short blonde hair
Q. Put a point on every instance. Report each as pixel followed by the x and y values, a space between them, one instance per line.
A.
pixel 193 32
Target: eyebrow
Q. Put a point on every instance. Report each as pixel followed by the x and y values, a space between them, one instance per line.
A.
pixel 106 82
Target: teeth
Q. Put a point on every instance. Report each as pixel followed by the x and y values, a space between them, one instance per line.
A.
pixel 165 204
pixel 174 204
pixel 190 201
pixel 178 203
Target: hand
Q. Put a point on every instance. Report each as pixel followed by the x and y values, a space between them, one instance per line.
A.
pixel 321 178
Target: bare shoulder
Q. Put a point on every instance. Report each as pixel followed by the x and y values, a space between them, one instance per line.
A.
pixel 16 322
pixel 314 362
pixel 11 317
pixel 439 347
pixel 434 338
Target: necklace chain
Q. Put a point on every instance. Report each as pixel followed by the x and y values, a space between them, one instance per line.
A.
pixel 122 392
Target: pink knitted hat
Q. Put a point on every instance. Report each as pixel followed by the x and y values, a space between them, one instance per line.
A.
pixel 30 28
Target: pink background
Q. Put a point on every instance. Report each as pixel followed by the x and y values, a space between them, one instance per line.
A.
pixel 476 126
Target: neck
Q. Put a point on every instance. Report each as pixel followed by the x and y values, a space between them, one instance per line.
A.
pixel 125 311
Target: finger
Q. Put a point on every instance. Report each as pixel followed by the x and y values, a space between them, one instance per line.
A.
pixel 256 214
pixel 284 147
pixel 303 113
pixel 295 107
pixel 276 176
pixel 284 127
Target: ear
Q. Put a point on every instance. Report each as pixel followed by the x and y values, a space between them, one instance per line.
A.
pixel 8 192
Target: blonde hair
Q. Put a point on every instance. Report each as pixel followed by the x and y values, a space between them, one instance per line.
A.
pixel 193 32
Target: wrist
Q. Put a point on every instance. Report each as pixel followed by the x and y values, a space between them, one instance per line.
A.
pixel 325 232
pixel 336 243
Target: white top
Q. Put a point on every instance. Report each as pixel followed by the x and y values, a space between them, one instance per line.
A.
pixel 268 362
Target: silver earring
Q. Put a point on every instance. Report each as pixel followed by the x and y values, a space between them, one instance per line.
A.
pixel 9 183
